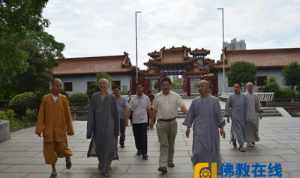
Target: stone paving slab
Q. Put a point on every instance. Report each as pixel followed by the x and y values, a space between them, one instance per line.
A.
pixel 22 157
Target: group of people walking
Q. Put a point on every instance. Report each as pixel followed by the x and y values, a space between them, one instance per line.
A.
pixel 109 115
pixel 244 111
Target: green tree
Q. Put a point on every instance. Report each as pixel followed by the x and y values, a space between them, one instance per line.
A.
pixel 27 52
pixel 242 72
pixel 271 85
pixel 103 75
pixel 291 74
pixel 43 51
pixel 176 84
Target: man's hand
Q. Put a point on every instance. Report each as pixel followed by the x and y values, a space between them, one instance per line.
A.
pixel 151 123
pixel 187 132
pixel 38 134
pixel 126 122
pixel 222 132
pixel 228 120
pixel 70 133
pixel 183 109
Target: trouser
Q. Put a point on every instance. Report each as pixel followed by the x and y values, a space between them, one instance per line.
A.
pixel 122 131
pixel 140 137
pixel 54 150
pixel 166 131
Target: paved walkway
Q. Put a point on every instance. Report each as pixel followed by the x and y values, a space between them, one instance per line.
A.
pixel 21 157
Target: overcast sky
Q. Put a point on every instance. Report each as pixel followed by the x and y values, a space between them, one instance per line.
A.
pixel 106 27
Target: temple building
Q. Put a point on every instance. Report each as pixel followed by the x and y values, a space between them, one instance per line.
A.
pixel 268 62
pixel 182 64
pixel 190 65
pixel 78 73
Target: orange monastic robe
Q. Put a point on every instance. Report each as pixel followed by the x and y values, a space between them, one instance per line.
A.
pixel 55 123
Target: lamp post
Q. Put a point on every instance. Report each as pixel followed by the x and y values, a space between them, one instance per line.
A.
pixel 136 47
pixel 223 50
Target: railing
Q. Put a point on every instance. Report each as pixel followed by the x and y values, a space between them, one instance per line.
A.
pixel 262 96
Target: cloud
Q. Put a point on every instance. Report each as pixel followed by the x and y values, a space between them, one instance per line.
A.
pixel 98 27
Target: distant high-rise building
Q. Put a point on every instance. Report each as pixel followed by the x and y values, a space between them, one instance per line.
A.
pixel 235 44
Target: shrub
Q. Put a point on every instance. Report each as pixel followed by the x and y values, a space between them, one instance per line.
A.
pixel 241 72
pixel 285 93
pixel 271 85
pixel 291 74
pixel 21 102
pixel 79 99
pixel 30 116
pixel 92 88
pixel 14 122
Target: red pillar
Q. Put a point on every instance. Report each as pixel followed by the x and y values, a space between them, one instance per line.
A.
pixel 146 85
pixel 188 86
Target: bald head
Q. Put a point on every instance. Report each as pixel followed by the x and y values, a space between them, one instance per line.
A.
pixel 204 87
pixel 103 85
pixel 56 86
pixel 249 87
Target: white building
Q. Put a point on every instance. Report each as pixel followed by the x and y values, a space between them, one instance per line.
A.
pixel 269 63
pixel 235 44
pixel 78 73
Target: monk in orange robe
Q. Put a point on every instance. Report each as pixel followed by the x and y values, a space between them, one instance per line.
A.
pixel 54 124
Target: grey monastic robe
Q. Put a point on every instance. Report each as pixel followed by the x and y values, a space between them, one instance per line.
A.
pixel 236 109
pixel 253 115
pixel 205 117
pixel 103 128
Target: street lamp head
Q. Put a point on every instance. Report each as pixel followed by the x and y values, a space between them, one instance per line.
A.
pixel 137 12
pixel 220 8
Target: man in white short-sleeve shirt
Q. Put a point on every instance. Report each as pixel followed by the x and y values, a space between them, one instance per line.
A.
pixel 140 106
pixel 166 104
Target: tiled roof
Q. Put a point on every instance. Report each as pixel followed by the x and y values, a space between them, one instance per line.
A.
pixel 279 57
pixel 92 65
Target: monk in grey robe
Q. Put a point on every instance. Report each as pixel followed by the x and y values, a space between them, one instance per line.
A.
pixel 103 127
pixel 207 121
pixel 253 115
pixel 236 109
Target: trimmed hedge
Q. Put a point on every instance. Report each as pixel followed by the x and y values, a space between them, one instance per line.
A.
pixel 79 99
pixel 16 123
pixel 23 101
pixel 285 93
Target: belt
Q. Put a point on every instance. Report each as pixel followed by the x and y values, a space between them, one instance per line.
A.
pixel 167 120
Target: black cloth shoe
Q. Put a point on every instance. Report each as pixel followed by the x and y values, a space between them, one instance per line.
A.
pixel 53 174
pixel 145 157
pixel 122 145
pixel 234 144
pixel 163 170
pixel 242 148
pixel 139 153
pixel 105 174
pixel 171 165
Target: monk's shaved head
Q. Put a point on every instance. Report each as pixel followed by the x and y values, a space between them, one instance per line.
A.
pixel 56 86
pixel 104 81
pixel 249 87
pixel 204 87
pixel 249 84
pixel 103 85
pixel 56 81
pixel 204 82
